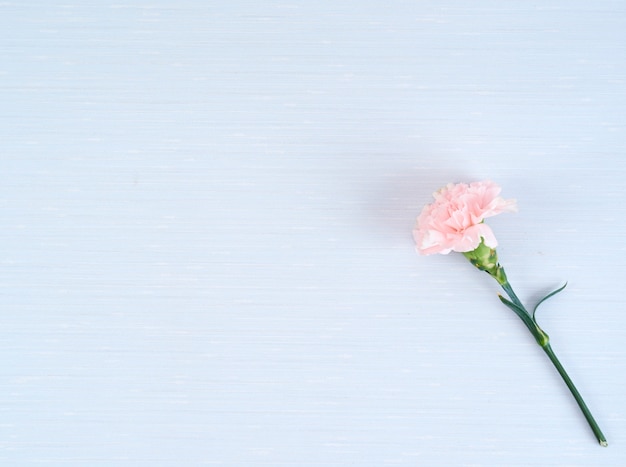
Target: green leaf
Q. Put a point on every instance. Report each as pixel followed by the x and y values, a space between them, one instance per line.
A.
pixel 551 294
pixel 523 314
pixel 540 336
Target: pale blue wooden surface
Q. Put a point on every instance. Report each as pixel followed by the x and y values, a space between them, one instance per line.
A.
pixel 206 212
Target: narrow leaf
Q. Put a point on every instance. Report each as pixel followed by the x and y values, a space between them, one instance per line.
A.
pixel 540 336
pixel 551 294
pixel 523 315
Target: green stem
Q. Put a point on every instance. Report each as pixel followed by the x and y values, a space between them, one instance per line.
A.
pixel 543 340
pixel 486 259
pixel 509 291
pixel 579 399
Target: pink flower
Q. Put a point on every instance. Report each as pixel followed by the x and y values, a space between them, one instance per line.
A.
pixel 454 222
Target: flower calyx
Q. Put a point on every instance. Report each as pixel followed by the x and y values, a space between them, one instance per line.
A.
pixel 486 259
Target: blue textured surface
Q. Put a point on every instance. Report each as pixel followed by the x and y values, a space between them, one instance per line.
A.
pixel 205 216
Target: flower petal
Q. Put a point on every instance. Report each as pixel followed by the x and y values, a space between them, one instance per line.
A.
pixel 454 221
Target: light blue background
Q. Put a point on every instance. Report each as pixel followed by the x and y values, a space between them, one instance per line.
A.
pixel 205 217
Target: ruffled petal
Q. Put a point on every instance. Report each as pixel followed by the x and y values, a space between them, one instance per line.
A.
pixel 454 222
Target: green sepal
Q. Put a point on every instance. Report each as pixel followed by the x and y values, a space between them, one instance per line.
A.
pixel 486 259
pixel 551 294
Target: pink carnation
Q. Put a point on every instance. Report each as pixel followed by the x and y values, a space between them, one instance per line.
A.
pixel 454 222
